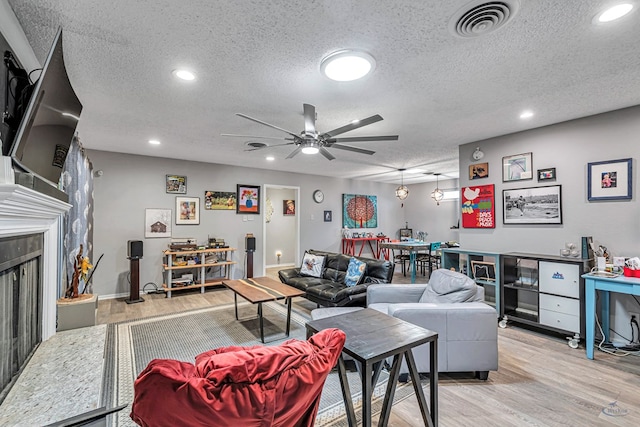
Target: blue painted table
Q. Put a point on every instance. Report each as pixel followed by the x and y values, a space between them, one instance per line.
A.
pixel 412 248
pixel 593 283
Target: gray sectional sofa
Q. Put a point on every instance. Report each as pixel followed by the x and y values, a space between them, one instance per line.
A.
pixel 451 305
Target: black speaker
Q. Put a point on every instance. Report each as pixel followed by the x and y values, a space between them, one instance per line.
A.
pixel 250 244
pixel 134 249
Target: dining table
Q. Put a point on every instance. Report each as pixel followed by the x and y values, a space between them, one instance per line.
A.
pixel 411 246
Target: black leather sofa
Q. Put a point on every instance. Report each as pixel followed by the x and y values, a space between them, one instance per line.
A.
pixel 330 290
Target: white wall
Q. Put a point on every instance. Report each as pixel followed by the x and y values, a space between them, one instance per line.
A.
pixel 132 183
pixel 423 214
pixel 568 147
pixel 281 230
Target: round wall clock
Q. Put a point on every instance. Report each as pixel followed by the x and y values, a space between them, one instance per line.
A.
pixel 318 196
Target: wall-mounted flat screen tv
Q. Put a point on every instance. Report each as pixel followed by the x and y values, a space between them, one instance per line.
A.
pixel 43 138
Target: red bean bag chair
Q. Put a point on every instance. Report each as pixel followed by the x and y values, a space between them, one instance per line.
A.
pixel 239 386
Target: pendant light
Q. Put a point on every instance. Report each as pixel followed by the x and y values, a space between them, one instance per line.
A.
pixel 402 192
pixel 437 194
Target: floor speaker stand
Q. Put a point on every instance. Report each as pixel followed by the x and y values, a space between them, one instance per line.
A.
pixel 134 270
pixel 249 264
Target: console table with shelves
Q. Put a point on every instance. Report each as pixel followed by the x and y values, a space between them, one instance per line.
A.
pixel 188 269
pixel 544 291
pixel 464 261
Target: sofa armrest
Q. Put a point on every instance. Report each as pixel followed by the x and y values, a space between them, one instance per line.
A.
pixel 288 273
pixel 389 293
pixel 454 321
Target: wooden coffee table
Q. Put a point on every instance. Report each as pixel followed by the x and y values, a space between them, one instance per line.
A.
pixel 263 289
pixel 373 336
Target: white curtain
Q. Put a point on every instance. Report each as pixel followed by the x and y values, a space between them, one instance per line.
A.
pixel 77 182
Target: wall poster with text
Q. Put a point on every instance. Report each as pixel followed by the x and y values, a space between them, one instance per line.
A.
pixel 478 206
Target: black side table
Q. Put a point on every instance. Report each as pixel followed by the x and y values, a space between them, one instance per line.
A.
pixel 373 336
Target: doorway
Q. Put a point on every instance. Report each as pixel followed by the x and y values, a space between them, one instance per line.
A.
pixel 281 227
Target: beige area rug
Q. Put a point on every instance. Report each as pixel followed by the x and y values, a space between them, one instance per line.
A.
pixel 131 345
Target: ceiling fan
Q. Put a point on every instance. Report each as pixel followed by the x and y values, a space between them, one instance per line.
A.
pixel 310 142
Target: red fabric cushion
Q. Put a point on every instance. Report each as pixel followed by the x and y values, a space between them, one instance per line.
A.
pixel 239 386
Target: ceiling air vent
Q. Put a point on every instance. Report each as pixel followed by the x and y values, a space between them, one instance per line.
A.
pixel 482 17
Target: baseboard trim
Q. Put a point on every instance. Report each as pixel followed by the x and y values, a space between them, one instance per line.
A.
pixel 280 265
pixel 113 296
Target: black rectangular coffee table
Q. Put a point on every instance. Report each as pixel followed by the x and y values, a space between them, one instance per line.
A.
pixel 373 336
pixel 257 290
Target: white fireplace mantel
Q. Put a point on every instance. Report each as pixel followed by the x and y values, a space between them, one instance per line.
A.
pixel 26 211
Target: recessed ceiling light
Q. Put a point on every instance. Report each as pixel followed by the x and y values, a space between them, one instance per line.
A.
pixel 347 65
pixel 526 114
pixel 154 142
pixel 184 75
pixel 613 13
pixel 270 158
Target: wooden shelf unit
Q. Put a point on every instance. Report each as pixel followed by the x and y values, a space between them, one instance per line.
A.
pixel 199 268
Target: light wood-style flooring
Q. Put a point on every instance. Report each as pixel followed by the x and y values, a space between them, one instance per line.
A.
pixel 540 381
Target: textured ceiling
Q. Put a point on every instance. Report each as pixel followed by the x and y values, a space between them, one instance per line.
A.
pixel 262 58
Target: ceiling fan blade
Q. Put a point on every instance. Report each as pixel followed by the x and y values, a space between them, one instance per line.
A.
pixel 363 139
pixel 279 138
pixel 267 124
pixel 309 119
pixel 354 149
pixel 326 153
pixel 352 126
pixel 294 152
pixel 269 146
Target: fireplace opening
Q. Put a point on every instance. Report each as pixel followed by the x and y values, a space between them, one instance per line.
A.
pixel 20 305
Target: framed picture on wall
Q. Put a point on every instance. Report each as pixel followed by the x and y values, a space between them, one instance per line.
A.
pixel 176 184
pixel 479 170
pixel 248 199
pixel 517 167
pixel 288 207
pixel 359 211
pixel 157 223
pixel 478 206
pixel 535 205
pixel 187 210
pixel 328 216
pixel 220 200
pixel 548 174
pixel 609 180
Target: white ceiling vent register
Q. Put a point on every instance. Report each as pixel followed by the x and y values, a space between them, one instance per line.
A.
pixel 482 17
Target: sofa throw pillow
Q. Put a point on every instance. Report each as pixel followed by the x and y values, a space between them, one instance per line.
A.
pixel 355 272
pixel 312 265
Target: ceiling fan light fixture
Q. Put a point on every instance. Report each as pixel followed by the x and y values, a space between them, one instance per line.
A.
pixel 347 65
pixel 310 148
